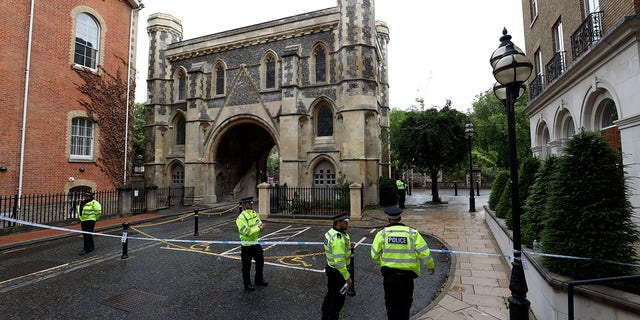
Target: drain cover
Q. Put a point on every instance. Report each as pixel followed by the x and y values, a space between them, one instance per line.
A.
pixel 133 299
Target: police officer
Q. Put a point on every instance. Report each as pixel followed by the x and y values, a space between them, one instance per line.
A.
pixel 249 227
pixel 399 250
pixel 89 211
pixel 337 249
pixel 402 189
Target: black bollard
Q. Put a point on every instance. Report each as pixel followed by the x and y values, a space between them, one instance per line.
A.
pixel 125 240
pixel 195 232
pixel 477 188
pixel 455 187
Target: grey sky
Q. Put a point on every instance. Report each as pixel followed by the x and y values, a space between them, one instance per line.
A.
pixel 438 49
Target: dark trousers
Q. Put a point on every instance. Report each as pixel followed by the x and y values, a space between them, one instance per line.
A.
pixel 252 252
pixel 333 300
pixel 88 226
pixel 401 198
pixel 398 295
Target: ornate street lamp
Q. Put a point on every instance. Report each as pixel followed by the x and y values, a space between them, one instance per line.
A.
pixel 470 133
pixel 511 68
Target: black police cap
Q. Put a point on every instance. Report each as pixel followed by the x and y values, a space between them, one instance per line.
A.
pixel 393 212
pixel 245 200
pixel 340 217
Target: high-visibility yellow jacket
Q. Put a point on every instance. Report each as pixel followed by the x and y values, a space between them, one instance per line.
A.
pixel 401 247
pixel 337 249
pixel 400 185
pixel 248 223
pixel 91 210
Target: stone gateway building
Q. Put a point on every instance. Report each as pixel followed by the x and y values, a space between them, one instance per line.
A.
pixel 313 85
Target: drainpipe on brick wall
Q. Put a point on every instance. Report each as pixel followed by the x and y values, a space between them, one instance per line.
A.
pixel 26 101
pixel 126 122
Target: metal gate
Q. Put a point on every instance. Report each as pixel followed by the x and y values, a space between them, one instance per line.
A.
pixel 138 201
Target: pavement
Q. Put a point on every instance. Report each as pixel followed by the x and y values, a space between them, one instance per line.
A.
pixel 477 287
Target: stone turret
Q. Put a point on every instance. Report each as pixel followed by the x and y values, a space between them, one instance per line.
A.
pixel 163 30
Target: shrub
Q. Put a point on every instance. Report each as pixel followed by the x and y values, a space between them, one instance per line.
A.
pixel 588 213
pixel 534 207
pixel 526 176
pixel 388 193
pixel 503 209
pixel 497 187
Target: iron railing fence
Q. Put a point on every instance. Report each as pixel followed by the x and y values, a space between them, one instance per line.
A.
pixel 571 285
pixel 556 67
pixel 587 35
pixel 300 202
pixel 536 86
pixel 173 196
pixel 51 208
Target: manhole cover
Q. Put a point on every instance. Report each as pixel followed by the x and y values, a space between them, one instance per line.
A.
pixel 133 299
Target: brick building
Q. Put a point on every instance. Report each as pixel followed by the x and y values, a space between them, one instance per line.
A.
pixel 50 141
pixel 586 58
pixel 313 85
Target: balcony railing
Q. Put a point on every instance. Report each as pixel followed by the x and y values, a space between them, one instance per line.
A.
pixel 536 86
pixel 587 35
pixel 556 66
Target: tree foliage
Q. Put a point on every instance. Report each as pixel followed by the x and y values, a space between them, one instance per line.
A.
pixel 430 140
pixel 532 222
pixel 139 113
pixel 588 213
pixel 503 208
pixel 502 178
pixel 490 123
pixel 526 176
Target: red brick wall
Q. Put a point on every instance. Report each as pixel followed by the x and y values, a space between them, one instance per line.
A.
pixel 539 34
pixel 52 90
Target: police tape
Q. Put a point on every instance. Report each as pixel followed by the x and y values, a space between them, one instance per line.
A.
pixel 124 237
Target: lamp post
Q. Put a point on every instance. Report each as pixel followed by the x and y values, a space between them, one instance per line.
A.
pixel 511 68
pixel 470 133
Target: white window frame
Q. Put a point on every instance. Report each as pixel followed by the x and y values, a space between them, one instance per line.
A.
pixel 85 30
pixel 82 138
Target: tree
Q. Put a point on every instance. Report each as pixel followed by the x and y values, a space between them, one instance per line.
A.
pixel 396 117
pixel 588 213
pixel 140 120
pixel 490 123
pixel 431 140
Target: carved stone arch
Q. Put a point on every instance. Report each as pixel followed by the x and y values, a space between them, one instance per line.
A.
pixel 219 78
pixel 324 171
pixel 319 63
pixel 269 74
pixel 178 120
pixel 564 125
pixel 171 168
pixel 593 99
pixel 543 139
pixel 323 113
pixel 211 140
pixel 180 85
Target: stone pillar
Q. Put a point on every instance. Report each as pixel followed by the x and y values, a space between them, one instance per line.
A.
pixel 264 202
pixel 355 194
pixel 290 119
pixel 124 201
pixel 152 199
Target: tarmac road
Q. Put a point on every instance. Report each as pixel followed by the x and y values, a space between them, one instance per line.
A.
pixel 171 280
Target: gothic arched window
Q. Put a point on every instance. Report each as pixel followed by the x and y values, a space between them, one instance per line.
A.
pixel 325 122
